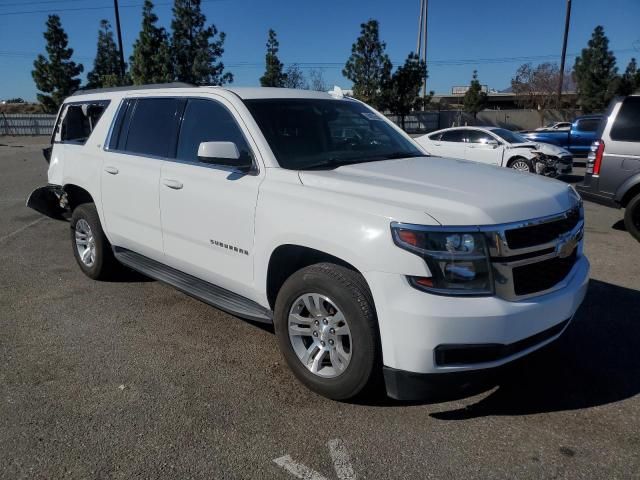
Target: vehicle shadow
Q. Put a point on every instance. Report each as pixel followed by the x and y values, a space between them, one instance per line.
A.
pixel 620 226
pixel 596 362
pixel 571 178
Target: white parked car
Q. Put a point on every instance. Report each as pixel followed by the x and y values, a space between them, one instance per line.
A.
pixel 556 126
pixel 317 214
pixel 498 146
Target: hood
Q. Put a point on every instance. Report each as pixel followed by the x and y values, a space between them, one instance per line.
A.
pixel 453 192
pixel 546 148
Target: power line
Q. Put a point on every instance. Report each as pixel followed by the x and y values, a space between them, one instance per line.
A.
pixel 39 2
pixel 81 9
pixel 334 64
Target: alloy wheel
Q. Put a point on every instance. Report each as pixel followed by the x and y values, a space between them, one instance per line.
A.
pixel 85 243
pixel 320 335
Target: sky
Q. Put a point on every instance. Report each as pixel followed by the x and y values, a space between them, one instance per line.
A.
pixel 492 36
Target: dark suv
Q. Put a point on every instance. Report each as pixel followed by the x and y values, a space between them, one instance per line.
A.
pixel 613 166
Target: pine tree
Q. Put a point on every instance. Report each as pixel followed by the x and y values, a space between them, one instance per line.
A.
pixel 106 66
pixel 273 74
pixel 368 67
pixel 595 72
pixel 57 74
pixel 401 94
pixel 196 49
pixel 630 80
pixel 151 60
pixel 475 99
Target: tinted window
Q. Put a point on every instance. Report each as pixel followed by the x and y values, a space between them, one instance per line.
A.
pixel 153 127
pixel 208 121
pixel 588 125
pixel 310 133
pixel 509 136
pixel 124 112
pixel 435 137
pixel 454 136
pixel 626 127
pixel 477 136
pixel 78 120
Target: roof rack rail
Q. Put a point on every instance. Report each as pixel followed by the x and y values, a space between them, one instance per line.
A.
pixel 135 87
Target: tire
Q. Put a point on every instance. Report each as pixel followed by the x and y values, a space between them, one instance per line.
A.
pixel 518 163
pixel 96 260
pixel 339 291
pixel 632 217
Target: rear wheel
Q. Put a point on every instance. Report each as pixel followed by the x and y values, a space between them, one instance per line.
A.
pixel 326 327
pixel 521 164
pixel 632 217
pixel 91 248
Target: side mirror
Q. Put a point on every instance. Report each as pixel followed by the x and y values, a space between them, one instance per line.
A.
pixel 223 153
pixel 494 143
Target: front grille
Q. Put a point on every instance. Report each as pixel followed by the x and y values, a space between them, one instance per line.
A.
pixel 542 233
pixel 540 276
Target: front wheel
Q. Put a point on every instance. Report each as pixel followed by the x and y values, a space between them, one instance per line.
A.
pixel 632 217
pixel 521 164
pixel 326 327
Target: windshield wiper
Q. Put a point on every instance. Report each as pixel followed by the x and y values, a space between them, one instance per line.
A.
pixel 335 162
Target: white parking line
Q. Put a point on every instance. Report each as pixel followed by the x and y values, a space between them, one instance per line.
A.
pixel 297 469
pixel 21 229
pixel 339 455
pixel 341 460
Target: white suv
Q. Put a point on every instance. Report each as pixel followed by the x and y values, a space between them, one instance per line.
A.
pixel 315 213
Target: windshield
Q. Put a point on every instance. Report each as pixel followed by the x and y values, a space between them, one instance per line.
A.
pixel 315 134
pixel 509 136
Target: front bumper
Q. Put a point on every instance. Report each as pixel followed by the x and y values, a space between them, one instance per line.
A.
pixel 413 324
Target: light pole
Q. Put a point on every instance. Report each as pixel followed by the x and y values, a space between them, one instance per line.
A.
pixel 115 6
pixel 564 51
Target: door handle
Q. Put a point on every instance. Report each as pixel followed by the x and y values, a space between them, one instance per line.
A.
pixel 174 184
pixel 111 170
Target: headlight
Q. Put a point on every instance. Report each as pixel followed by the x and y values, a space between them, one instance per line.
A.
pixel 458 261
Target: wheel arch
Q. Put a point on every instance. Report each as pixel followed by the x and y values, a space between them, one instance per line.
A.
pixel 77 195
pixel 629 189
pixel 289 258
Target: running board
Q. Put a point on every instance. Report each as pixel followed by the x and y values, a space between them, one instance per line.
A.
pixel 213 295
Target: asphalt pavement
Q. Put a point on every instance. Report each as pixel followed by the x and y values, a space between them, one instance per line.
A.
pixel 132 379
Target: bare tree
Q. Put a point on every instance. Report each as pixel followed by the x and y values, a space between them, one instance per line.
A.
pixel 316 80
pixel 294 78
pixel 537 87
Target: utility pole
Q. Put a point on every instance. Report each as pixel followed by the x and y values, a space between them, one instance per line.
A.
pixel 564 51
pixel 115 6
pixel 421 44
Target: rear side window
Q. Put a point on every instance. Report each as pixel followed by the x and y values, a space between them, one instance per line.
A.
pixel 476 136
pixel 77 120
pixel 453 136
pixel 588 124
pixel 626 127
pixel 208 121
pixel 152 127
pixel 435 137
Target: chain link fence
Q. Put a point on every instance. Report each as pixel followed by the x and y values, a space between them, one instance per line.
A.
pixel 26 124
